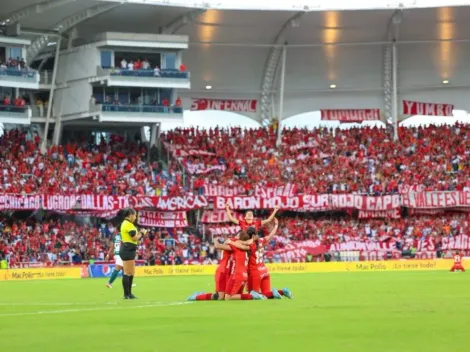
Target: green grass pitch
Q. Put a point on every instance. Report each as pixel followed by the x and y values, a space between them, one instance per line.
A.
pixel 350 312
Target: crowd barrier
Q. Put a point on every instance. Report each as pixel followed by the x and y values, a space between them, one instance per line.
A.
pixel 105 270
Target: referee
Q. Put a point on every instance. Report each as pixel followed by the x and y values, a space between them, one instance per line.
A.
pixel 130 239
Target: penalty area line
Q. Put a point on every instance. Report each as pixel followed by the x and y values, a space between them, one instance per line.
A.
pixel 78 310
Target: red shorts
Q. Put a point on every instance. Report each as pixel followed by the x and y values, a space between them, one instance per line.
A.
pixel 220 281
pixel 235 286
pixel 259 282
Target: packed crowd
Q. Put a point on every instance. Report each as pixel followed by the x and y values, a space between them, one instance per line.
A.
pixel 115 167
pixel 57 241
pixel 406 235
pixel 61 242
pixel 365 160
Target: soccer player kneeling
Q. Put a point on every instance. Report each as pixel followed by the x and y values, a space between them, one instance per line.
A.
pixel 457 263
pixel 239 273
pixel 259 279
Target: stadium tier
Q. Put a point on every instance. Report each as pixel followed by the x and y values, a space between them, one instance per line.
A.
pixel 115 167
pixel 358 160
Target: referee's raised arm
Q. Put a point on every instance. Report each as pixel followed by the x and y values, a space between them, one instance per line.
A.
pixel 130 238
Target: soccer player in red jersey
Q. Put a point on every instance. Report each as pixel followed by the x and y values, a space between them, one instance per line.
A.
pixel 223 270
pixel 457 263
pixel 259 279
pixel 239 272
pixel 249 220
pixel 222 273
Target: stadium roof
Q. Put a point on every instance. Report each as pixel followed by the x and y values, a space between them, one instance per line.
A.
pixel 231 50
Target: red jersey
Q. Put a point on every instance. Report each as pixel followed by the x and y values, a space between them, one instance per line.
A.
pixel 240 263
pixel 256 261
pixel 244 225
pixel 225 263
pixel 458 259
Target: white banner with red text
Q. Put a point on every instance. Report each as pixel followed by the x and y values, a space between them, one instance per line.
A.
pixel 178 150
pixel 350 115
pixel 404 188
pixel 311 202
pixel 108 215
pixel 288 190
pixel 218 216
pixel 459 242
pixel 387 214
pixel 319 202
pixel 224 191
pixel 234 105
pixel 427 109
pixel 99 202
pixel 162 219
pixel 412 211
pixel 436 200
pixel 224 230
pixel 201 169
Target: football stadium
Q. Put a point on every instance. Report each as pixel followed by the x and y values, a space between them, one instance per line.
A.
pixel 219 175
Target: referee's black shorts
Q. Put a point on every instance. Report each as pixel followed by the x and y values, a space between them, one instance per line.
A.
pixel 128 251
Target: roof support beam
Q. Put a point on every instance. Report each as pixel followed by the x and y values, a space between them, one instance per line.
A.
pixel 66 24
pixel 393 29
pixel 181 21
pixel 270 69
pixel 34 9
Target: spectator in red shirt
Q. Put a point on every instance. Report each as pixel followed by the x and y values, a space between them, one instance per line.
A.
pixel 178 102
pixel 165 104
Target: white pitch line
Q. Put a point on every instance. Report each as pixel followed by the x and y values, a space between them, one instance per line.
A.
pixel 51 304
pixel 64 311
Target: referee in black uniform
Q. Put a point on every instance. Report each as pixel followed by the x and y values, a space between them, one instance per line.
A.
pixel 130 238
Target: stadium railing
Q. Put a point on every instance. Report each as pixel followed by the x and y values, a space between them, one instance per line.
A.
pixel 164 73
pixel 9 73
pixel 141 108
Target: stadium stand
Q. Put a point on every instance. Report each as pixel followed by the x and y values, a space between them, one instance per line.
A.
pixel 115 167
pixel 59 240
pixel 364 160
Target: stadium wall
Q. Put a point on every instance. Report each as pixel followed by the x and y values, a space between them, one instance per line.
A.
pixel 102 271
pixel 78 63
pixel 75 99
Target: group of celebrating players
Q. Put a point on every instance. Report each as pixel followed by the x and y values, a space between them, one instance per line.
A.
pixel 242 264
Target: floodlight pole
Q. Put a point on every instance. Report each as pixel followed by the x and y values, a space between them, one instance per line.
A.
pixel 394 92
pixel 281 95
pixel 51 94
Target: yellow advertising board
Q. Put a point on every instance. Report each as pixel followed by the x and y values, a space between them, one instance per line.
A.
pixel 297 268
pixel 280 268
pixel 40 274
pixel 176 270
pixel 386 265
